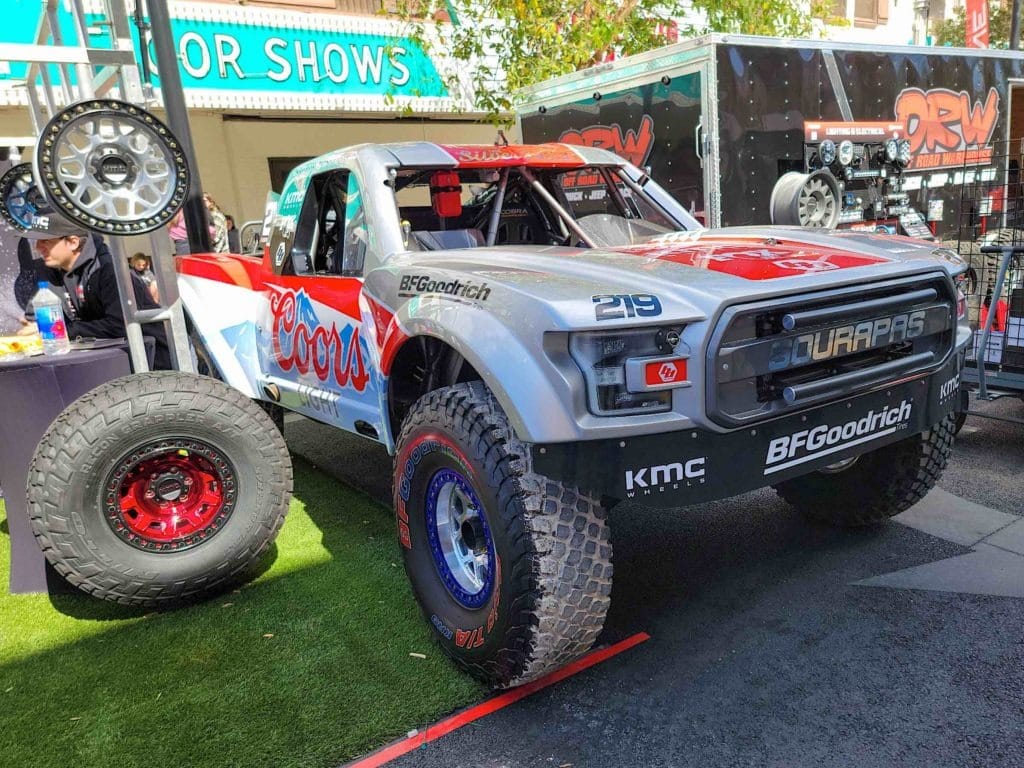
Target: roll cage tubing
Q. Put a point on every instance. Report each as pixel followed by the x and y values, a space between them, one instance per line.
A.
pixel 566 218
pixel 499 200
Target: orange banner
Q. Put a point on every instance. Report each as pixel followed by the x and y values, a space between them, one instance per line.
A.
pixel 977 24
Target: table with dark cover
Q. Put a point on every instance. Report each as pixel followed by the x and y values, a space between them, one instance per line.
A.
pixel 33 392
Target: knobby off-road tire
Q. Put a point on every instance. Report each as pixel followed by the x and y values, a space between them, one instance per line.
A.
pixel 961 419
pixel 537 587
pixel 879 484
pixel 157 487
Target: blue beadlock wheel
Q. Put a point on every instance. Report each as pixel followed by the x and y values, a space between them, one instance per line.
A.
pixel 460 540
pixel 511 568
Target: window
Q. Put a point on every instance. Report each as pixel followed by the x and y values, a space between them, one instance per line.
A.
pixel 870 13
pixel 331 237
pixel 280 167
pixel 588 193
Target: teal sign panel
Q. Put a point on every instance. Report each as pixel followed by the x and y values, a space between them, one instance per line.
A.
pixel 225 56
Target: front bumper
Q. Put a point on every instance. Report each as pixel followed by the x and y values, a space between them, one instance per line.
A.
pixel 691 466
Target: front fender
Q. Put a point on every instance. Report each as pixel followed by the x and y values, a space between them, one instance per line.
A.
pixel 516 370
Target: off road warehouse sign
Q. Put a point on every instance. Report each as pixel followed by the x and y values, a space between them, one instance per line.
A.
pixel 254 58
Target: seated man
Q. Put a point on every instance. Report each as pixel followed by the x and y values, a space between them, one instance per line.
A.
pixel 83 264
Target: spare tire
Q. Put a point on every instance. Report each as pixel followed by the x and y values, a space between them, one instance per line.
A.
pixel 157 487
pixel 806 200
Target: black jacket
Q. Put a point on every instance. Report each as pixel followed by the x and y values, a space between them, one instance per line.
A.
pixel 92 306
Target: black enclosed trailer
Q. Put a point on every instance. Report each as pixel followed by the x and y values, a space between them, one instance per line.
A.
pixel 919 141
pixel 722 119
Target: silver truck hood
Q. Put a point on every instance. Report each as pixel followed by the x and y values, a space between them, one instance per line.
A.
pixel 692 273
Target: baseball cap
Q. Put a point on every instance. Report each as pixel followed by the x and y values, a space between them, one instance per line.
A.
pixel 47 224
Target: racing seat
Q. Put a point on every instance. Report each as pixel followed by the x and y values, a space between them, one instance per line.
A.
pixel 449 239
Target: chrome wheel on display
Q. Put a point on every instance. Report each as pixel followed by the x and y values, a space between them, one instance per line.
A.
pixel 20 198
pixel 817 205
pixel 112 167
pixel 806 200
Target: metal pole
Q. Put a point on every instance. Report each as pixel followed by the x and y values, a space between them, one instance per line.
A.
pixel 58 40
pixel 1015 26
pixel 143 26
pixel 133 331
pixel 177 121
pixel 85 89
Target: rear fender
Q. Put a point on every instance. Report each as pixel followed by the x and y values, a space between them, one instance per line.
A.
pixel 211 306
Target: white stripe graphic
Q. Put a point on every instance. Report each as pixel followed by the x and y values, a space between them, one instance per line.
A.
pixel 833 449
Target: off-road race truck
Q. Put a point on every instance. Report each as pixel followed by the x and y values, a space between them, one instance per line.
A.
pixel 531 354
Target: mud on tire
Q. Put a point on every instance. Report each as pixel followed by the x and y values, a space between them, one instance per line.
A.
pixel 879 484
pixel 511 569
pixel 157 487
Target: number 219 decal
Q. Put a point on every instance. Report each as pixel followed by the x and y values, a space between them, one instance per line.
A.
pixel 619 306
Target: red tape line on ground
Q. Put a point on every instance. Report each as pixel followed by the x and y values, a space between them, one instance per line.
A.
pixel 449 724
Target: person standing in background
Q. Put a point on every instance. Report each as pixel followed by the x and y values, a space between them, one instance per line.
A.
pixel 178 233
pixel 218 226
pixel 234 236
pixel 141 264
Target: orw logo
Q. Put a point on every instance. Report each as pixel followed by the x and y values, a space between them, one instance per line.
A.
pixel 634 146
pixel 946 129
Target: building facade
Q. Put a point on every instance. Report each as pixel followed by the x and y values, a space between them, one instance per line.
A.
pixel 269 85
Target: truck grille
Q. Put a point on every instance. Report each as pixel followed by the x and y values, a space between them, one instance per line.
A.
pixel 783 355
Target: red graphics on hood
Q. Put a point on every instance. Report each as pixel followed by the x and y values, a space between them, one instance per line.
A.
pixel 947 130
pixel 752 259
pixel 635 146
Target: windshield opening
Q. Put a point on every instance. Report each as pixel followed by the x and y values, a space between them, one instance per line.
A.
pixel 448 208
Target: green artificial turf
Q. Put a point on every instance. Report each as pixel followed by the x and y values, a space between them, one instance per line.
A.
pixel 308 665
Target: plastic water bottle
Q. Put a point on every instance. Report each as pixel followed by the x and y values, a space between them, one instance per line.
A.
pixel 50 320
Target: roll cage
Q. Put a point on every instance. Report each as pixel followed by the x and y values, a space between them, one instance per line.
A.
pixel 515 205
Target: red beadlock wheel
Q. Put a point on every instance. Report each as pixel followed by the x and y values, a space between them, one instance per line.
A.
pixel 170 495
pixel 158 487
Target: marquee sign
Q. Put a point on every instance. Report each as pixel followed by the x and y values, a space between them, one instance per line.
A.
pixel 255 58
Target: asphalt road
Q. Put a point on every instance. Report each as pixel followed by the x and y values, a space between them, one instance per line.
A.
pixel 775 642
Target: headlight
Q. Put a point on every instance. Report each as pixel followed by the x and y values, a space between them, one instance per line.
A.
pixel 892 149
pixel 827 152
pixel 630 371
pixel 845 152
pixel 903 153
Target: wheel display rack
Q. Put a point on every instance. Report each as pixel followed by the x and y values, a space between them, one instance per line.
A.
pixel 182 485
pixel 990 236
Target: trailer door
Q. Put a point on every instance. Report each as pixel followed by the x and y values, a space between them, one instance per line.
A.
pixel 655 121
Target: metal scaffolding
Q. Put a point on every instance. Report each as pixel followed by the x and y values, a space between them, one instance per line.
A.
pixel 62 72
